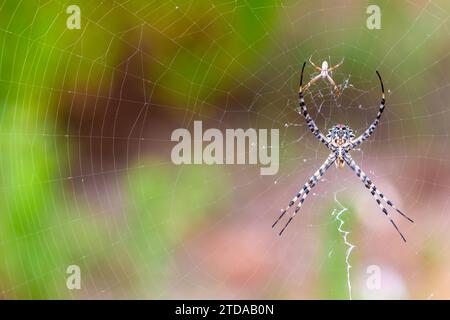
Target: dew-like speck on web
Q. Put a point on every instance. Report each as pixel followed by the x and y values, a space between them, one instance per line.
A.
pixel 346 83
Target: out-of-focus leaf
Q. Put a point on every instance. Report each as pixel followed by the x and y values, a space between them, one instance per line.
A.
pixel 166 204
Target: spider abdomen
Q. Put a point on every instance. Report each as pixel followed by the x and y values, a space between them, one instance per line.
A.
pixel 340 162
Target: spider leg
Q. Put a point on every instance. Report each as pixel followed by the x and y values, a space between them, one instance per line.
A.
pixel 312 63
pixel 331 81
pixel 336 66
pixel 374 191
pixel 389 202
pixel 366 134
pixel 311 82
pixel 371 186
pixel 303 193
pixel 387 214
pixel 309 121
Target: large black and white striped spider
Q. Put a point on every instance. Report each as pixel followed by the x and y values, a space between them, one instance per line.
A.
pixel 340 140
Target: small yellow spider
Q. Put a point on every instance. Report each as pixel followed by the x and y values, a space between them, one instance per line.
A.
pixel 324 74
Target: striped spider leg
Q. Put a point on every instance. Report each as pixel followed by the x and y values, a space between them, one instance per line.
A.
pixel 309 121
pixel 376 193
pixel 303 193
pixel 324 74
pixel 340 140
pixel 367 182
pixel 369 131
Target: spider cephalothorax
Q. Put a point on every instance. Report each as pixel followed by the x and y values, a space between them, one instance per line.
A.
pixel 340 134
pixel 340 140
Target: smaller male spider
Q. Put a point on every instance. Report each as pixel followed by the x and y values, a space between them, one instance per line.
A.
pixel 324 74
pixel 340 140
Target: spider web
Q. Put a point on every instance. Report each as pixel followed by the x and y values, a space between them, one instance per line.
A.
pixel 140 227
